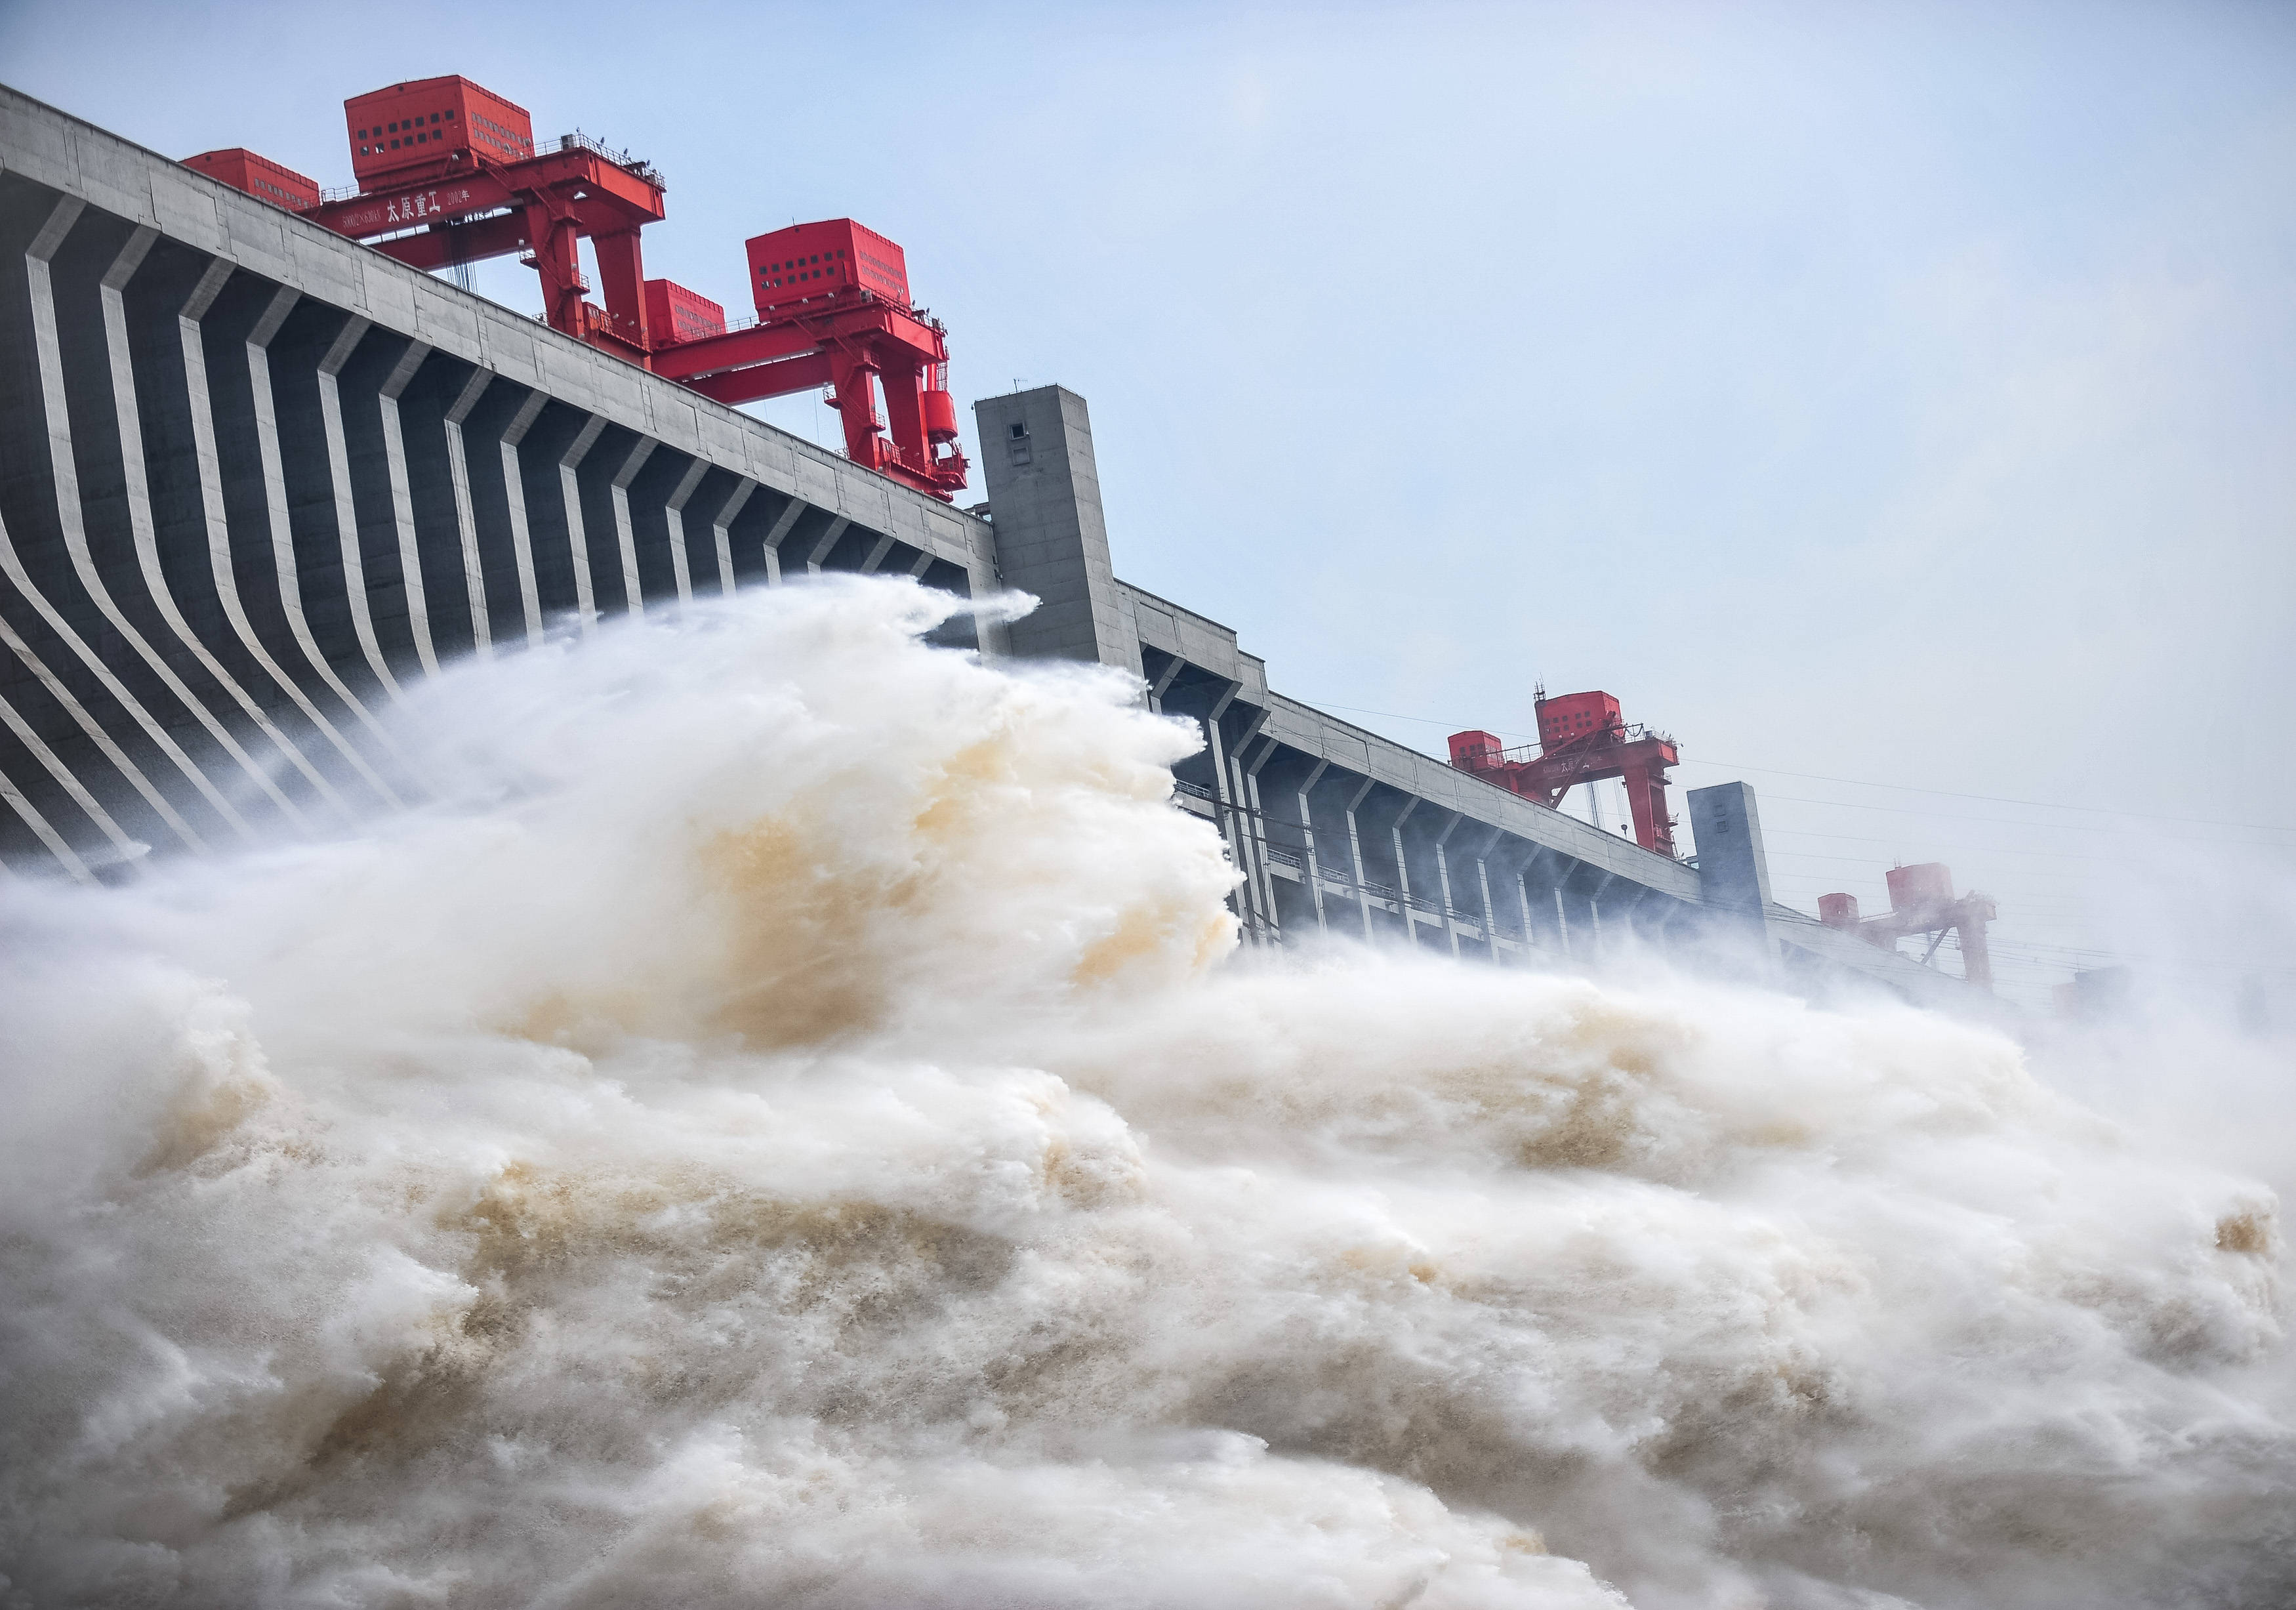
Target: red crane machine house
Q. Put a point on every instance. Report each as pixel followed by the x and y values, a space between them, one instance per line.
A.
pixel 1582 738
pixel 450 173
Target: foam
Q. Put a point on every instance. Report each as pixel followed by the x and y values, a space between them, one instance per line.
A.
pixel 789 1124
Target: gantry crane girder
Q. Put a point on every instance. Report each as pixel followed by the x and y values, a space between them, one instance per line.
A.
pixel 1922 905
pixel 454 176
pixel 542 207
pixel 1639 763
pixel 1584 739
pixel 858 348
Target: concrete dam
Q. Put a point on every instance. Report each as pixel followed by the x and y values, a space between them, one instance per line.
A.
pixel 259 480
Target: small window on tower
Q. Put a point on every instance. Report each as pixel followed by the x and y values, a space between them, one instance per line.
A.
pixel 1020 431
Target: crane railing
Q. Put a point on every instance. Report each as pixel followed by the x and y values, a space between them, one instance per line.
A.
pixel 623 160
pixel 1522 752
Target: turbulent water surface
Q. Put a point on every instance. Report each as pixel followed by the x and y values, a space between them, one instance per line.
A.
pixel 788 1126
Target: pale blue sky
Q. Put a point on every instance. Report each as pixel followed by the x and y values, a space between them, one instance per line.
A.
pixel 1896 393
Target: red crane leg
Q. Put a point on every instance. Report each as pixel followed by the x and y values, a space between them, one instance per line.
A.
pixel 552 235
pixel 905 407
pixel 857 400
pixel 1976 956
pixel 1976 953
pixel 621 280
pixel 1646 798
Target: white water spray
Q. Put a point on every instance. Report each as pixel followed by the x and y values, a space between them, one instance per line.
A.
pixel 789 1130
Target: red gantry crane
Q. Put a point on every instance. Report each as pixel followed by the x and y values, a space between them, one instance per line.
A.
pixel 1922 905
pixel 1582 738
pixel 449 173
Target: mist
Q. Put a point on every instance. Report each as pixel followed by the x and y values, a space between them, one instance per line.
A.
pixel 790 1122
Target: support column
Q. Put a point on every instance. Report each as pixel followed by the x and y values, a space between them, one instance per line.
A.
pixel 458 468
pixel 1403 874
pixel 1051 537
pixel 632 592
pixel 673 514
pixel 1255 823
pixel 1355 857
pixel 578 540
pixel 1307 833
pixel 1733 869
pixel 1443 879
pixel 521 535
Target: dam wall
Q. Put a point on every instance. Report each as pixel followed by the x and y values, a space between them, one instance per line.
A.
pixel 257 481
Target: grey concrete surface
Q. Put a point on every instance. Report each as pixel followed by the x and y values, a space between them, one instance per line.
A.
pixel 1051 534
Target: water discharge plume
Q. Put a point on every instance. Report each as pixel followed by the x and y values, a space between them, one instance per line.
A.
pixel 788 1124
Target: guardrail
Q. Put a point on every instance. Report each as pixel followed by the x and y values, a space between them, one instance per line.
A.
pixel 579 140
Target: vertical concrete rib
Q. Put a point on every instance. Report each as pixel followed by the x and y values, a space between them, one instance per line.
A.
pixel 772 544
pixel 12 564
pixel 1490 918
pixel 218 530
pixel 72 522
pixel 1443 880
pixel 578 540
pixel 458 467
pixel 674 513
pixel 721 531
pixel 128 848
pixel 1356 857
pixel 1403 872
pixel 402 502
pixel 66 856
pixel 621 489
pixel 1307 835
pixel 522 537
pixel 88 723
pixel 1259 823
pixel 290 574
pixel 339 468
pixel 820 548
pixel 1224 799
pixel 877 552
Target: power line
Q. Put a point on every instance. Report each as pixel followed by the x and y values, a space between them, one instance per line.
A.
pixel 1861 783
pixel 1942 816
pixel 2144 815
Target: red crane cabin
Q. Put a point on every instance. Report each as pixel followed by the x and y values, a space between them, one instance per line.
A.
pixel 430 122
pixel 808 262
pixel 675 314
pixel 1569 716
pixel 242 169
